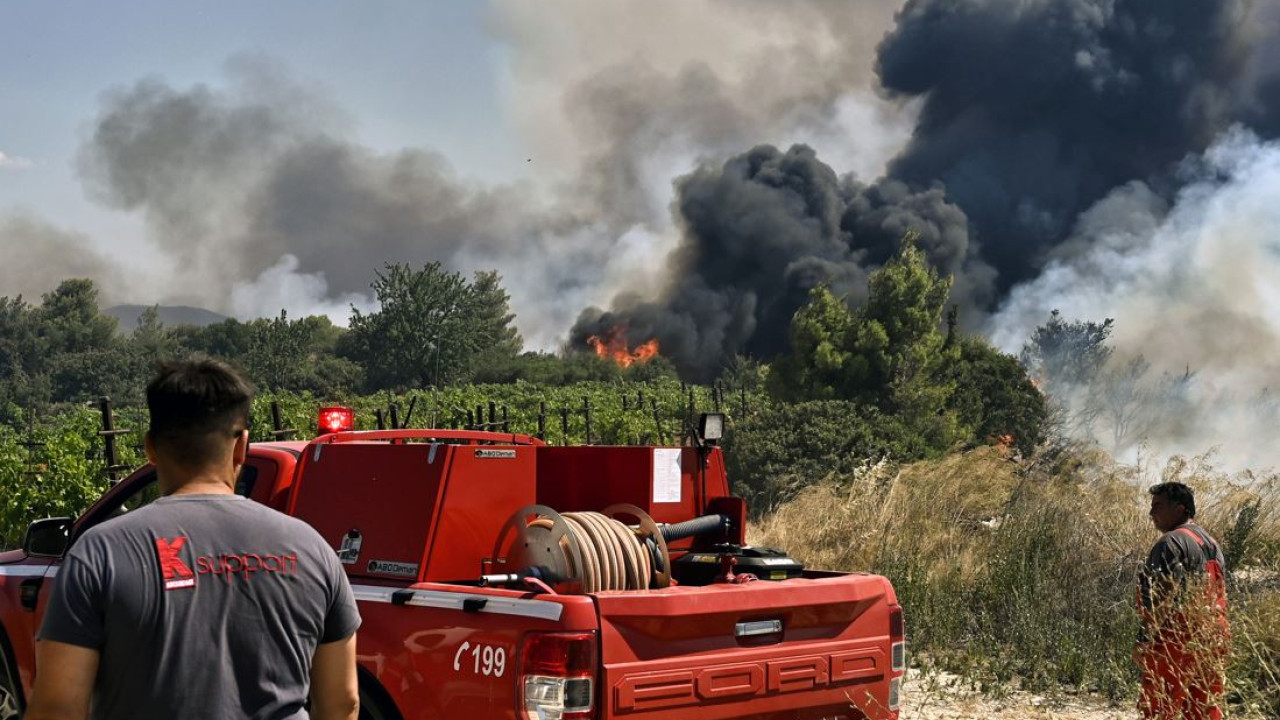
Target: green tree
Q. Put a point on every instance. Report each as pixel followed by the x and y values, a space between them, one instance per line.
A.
pixel 24 381
pixel 822 364
pixel 897 339
pixel 83 355
pixel 229 339
pixel 994 398
pixel 277 350
pixel 299 356
pixel 432 327
pixel 151 339
pixel 889 354
pixel 490 306
pixel 70 321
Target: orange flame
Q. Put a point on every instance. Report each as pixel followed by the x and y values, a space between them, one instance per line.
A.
pixel 1005 444
pixel 614 347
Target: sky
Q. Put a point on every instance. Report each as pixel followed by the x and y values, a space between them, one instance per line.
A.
pixel 410 74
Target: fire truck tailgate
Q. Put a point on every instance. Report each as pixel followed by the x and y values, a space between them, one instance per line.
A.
pixel 799 649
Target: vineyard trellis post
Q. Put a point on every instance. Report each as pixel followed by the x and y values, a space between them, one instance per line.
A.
pixel 31 444
pixel 690 413
pixel 408 414
pixel 278 430
pixel 657 421
pixel 108 434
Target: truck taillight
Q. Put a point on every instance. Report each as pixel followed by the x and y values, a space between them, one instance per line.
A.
pixel 336 419
pixel 898 654
pixel 557 674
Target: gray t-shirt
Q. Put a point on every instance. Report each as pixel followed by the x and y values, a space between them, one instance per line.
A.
pixel 201 606
pixel 1174 558
pixel 1177 555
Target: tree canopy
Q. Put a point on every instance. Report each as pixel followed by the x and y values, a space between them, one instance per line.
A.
pixel 890 355
pixel 432 327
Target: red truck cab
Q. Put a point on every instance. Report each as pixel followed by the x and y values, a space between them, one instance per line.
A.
pixel 419 518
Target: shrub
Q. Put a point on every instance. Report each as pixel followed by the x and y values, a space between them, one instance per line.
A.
pixel 1013 576
pixel 774 453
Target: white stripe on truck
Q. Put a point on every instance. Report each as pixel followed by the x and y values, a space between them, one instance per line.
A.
pixel 27 571
pixel 540 609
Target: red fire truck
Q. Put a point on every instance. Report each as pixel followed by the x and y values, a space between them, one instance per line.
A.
pixel 500 577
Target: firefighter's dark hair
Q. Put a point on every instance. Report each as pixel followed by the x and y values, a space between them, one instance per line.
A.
pixel 1177 493
pixel 196 406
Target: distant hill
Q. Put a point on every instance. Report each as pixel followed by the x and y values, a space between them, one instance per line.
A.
pixel 169 315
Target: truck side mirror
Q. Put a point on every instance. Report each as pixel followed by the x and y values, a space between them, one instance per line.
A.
pixel 47 537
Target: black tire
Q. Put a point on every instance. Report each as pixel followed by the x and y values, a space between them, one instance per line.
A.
pixel 368 711
pixel 375 704
pixel 10 695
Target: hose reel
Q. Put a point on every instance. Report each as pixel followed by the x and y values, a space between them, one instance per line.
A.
pixel 582 552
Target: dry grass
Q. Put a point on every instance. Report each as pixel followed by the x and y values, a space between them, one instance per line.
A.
pixel 1020 575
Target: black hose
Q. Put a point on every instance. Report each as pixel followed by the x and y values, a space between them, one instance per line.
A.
pixel 696 526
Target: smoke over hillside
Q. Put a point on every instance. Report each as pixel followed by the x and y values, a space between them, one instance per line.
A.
pixel 37 256
pixel 1192 286
pixel 258 197
pixel 1030 112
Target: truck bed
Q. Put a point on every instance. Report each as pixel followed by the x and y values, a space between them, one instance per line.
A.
pixel 813 647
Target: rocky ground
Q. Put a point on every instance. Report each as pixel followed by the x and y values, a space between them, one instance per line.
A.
pixel 942 697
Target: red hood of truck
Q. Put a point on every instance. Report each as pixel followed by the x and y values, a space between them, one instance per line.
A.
pixel 12 556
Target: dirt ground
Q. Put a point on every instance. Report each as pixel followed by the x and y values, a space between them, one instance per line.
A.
pixel 943 698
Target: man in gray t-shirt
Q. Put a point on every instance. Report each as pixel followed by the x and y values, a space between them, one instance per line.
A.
pixel 202 604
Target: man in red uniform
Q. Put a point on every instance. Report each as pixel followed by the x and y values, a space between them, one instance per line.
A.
pixel 1183 605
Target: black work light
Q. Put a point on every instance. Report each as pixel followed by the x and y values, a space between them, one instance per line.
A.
pixel 711 427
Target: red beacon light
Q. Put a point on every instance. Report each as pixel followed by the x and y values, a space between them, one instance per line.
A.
pixel 336 420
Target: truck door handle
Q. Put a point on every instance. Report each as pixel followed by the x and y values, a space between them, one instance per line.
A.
pixel 29 593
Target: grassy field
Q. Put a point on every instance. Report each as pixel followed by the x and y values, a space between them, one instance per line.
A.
pixel 1020 575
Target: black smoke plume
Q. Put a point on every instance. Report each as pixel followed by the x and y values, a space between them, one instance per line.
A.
pixel 1030 112
pixel 762 231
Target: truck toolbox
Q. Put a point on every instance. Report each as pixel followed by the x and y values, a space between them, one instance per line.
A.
pixel 701 568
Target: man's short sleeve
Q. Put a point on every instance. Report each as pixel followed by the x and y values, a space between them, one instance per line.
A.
pixel 343 618
pixel 1167 558
pixel 76 611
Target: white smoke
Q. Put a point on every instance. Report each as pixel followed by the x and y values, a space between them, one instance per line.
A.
pixel 296 293
pixel 14 162
pixel 1193 288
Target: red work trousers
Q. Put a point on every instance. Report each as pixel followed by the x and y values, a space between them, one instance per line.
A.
pixel 1179 685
